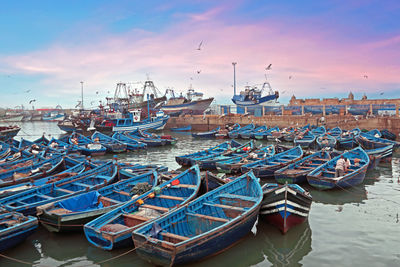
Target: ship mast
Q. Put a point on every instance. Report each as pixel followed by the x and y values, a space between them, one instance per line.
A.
pixel 234 77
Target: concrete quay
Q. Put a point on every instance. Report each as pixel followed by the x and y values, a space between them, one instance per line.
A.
pixel 208 122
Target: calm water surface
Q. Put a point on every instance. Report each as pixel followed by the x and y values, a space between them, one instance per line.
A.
pixel 352 227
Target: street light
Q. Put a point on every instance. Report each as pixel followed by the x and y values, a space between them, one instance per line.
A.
pixel 234 77
pixel 82 95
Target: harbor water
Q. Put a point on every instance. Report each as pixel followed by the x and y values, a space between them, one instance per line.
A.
pixel 358 226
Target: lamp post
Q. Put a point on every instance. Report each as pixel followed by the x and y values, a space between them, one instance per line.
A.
pixel 234 77
pixel 82 95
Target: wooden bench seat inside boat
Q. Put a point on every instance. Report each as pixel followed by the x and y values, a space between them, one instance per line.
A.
pixel 211 218
pixel 173 238
pixel 185 185
pixel 305 167
pixel 134 219
pixel 322 159
pixel 223 206
pixel 65 190
pixel 122 193
pixel 171 197
pixel 226 195
pixel 110 200
pixel 162 209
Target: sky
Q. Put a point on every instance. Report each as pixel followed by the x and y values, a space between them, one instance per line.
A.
pixel 316 48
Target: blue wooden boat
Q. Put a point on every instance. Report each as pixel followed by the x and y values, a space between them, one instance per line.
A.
pixel 209 162
pixel 168 139
pixel 285 205
pixel 378 154
pixel 19 162
pixel 127 171
pixel 323 177
pixel 209 134
pixel 112 145
pixel 27 201
pixel 15 154
pixel 233 165
pixel 86 146
pixel 370 142
pixel 150 142
pixel 326 140
pixel 72 213
pixel 31 172
pixel 347 140
pixel 131 144
pixel 181 129
pixel 375 133
pixel 5 150
pixel 267 134
pixel 114 229
pixel 235 133
pixel 62 146
pixel 305 139
pixel 15 228
pixel 72 167
pixel 266 167
pixel 335 132
pixel 42 141
pixel 250 133
pixel 185 160
pixel 130 124
pixel 318 131
pixel 388 134
pixel 204 227
pixel 8 132
pixel 296 172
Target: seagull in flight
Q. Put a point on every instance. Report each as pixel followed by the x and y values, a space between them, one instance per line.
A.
pixel 269 67
pixel 27 91
pixel 33 100
pixel 198 72
pixel 290 77
pixel 366 76
pixel 382 93
pixel 199 48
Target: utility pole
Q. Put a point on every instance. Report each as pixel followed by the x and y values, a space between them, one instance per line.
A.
pixel 234 77
pixel 82 95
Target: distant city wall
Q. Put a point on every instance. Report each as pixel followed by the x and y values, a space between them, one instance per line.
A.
pixel 205 123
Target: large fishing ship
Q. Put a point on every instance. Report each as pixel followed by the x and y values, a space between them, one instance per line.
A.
pixel 193 103
pixel 254 96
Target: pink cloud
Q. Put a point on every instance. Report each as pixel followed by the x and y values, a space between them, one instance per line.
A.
pixel 314 58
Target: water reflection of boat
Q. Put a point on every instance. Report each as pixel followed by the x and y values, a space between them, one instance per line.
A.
pixel 289 249
pixel 355 194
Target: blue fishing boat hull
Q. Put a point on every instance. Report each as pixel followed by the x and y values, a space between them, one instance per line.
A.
pixel 181 129
pixel 225 239
pixel 324 184
pixel 323 177
pixel 285 206
pixel 208 225
pixel 14 239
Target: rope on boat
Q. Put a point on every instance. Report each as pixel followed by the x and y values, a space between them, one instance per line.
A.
pixel 16 260
pixel 91 264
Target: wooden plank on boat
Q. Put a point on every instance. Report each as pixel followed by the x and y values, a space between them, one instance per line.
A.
pixel 135 217
pixel 171 197
pixel 122 193
pixel 174 236
pixel 305 167
pixel 211 218
pixel 110 200
pixel 155 207
pixel 65 190
pixel 225 206
pixel 186 185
